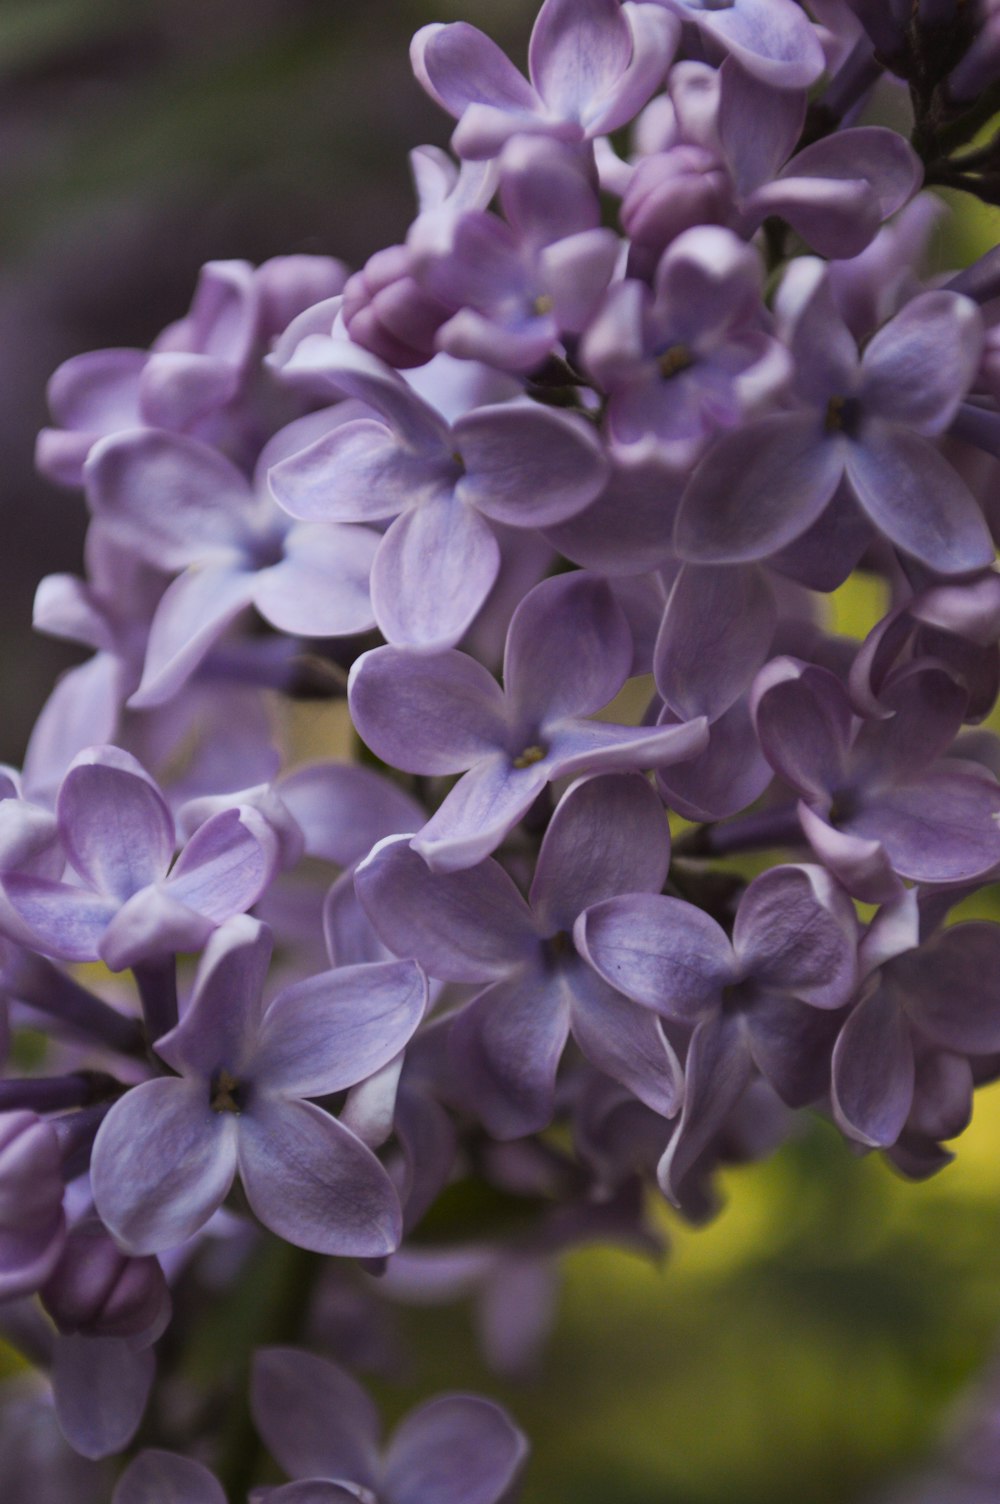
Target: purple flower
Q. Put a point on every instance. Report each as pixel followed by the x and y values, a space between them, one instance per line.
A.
pixel 593 65
pixel 879 799
pixel 569 651
pixel 900 1061
pixel 513 463
pixel 167 1153
pixel 518 286
pixel 128 900
pixel 320 1425
pixel 608 836
pixel 693 355
pixel 870 420
pixel 198 370
pixel 761 1001
pixel 773 40
pixel 181 505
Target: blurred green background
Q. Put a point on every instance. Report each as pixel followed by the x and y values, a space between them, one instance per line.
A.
pixel 808 1343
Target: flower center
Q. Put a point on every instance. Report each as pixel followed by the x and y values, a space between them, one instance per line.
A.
pixel 227 1094
pixel 843 415
pixel 543 304
pixel 674 360
pixel 530 756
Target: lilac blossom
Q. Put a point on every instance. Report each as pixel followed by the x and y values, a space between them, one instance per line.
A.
pixel 128 900
pixel 608 836
pixel 928 1003
pixel 569 651
pixel 193 378
pixel 871 419
pixel 181 505
pixel 878 799
pixel 517 285
pixel 513 463
pixel 168 1151
pixel 319 1424
pixel 691 357
pixel 759 1002
pixel 593 65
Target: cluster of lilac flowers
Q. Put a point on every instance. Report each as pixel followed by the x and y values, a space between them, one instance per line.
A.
pixel 552 496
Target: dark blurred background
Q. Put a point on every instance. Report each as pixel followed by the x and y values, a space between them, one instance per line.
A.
pixel 807 1345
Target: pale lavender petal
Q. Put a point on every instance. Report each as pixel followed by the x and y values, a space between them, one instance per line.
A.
pixel 718 1070
pixel 115 825
pixel 528 466
pixel 458 66
pixel 226 865
pixel 579 49
pixel 164 1478
pixel 837 217
pixel 716 634
pixel 458 1449
pixel 356 373
pixel 654 42
pixel 921 364
pixel 609 835
pixel 628 529
pixel 60 920
pixel 320 588
pixel 626 1041
pixel 423 713
pixel 344 808
pixel 360 472
pixel 333 1030
pixel 478 812
pixel 100 1388
pixel 173 500
pixel 163 1163
pixel 152 924
pixel 433 570
pixel 569 649
pixel 193 614
pixel 313 1491
pixel 468 926
pixel 177 388
pixel 314 1418
pixel 758 126
pixel 918 500
pixel 599 746
pixel 873 1071
pixel 664 953
pixel 772 39
pixel 219 1025
pixel 506 1046
pixel 98 392
pixel 948 987
pixel 757 489
pixel 347 931
pixel 796 931
pixel 310 1181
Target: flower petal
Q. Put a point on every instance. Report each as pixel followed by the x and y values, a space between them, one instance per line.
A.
pixel 333 1030
pixel 432 573
pixel 663 952
pixel 458 1449
pixel 320 588
pixel 426 713
pixel 626 1041
pixel 314 1418
pixel 569 649
pixel 115 825
pixel 310 1181
pixel 156 1477
pixel 163 1163
pixel 100 1386
pixel 528 466
pixel 506 1046
pixel 873 1071
pixel 468 926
